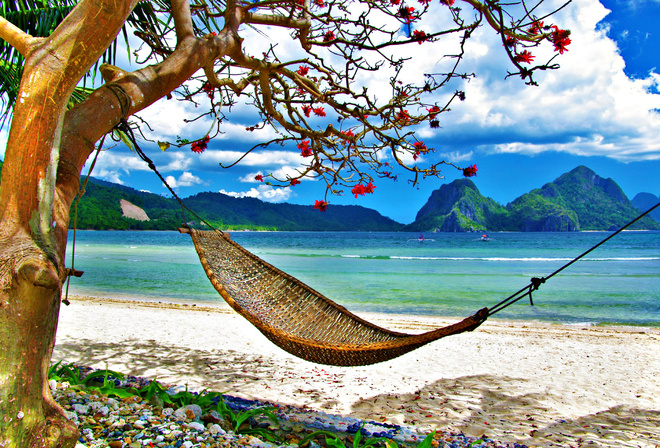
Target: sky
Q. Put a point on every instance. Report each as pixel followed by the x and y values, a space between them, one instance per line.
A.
pixel 600 109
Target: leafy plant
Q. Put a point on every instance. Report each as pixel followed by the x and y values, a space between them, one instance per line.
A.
pixel 240 421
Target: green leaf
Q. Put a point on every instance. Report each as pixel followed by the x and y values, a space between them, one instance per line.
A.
pixel 428 440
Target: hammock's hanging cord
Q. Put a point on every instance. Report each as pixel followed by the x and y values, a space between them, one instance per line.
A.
pixel 126 129
pixel 71 271
pixel 536 282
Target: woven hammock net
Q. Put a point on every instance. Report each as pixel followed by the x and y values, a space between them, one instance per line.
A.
pixel 299 319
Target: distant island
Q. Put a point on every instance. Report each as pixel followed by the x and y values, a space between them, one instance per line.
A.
pixel 577 200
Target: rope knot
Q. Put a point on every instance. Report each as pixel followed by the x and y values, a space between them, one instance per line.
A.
pixel 536 282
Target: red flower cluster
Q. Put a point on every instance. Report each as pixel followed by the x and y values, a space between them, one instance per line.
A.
pixel 447 2
pixel 535 28
pixel 424 2
pixel 433 112
pixel 302 70
pixel 560 39
pixel 524 56
pixel 318 111
pixel 509 41
pixel 361 189
pixel 347 134
pixel 470 171
pixel 307 109
pixel 321 205
pixel 420 146
pixel 319 3
pixel 200 145
pixel 407 13
pixel 259 178
pixel 395 2
pixel 294 182
pixel 328 36
pixel 209 90
pixel 304 148
pixel 419 36
pixel 403 116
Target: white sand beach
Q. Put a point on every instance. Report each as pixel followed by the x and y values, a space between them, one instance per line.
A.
pixel 531 383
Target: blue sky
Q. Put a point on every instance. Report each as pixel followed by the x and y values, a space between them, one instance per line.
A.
pixel 600 110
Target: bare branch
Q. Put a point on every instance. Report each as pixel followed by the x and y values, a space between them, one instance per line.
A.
pixel 15 37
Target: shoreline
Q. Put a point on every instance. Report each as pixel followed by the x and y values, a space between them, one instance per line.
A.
pixel 535 383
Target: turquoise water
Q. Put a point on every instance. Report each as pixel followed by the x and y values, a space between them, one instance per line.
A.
pixel 449 275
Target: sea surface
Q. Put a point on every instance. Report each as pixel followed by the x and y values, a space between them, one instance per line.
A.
pixel 444 274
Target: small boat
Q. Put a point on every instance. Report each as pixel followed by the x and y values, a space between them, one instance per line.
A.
pixel 421 239
pixel 484 237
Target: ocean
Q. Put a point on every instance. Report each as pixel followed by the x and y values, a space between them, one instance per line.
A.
pixel 445 274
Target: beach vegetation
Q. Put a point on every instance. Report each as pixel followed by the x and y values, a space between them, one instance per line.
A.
pixel 62 91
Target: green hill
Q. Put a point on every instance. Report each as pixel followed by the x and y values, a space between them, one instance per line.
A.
pixel 100 209
pixel 457 207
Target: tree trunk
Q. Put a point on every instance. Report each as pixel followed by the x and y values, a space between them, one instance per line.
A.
pixel 46 151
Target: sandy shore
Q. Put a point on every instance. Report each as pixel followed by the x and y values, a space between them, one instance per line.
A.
pixel 536 384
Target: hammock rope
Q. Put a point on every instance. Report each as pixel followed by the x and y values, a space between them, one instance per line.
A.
pixel 303 321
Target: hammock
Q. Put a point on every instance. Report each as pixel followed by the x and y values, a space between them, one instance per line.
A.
pixel 299 319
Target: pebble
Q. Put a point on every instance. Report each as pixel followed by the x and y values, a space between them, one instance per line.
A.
pixel 108 422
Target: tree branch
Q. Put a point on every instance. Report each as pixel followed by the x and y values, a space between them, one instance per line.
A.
pixel 182 20
pixel 16 37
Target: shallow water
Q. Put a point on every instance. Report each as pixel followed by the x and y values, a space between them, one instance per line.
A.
pixel 445 274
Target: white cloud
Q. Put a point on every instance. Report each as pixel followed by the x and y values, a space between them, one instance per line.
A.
pixel 587 107
pixel 255 158
pixel 266 193
pixel 457 156
pixel 186 179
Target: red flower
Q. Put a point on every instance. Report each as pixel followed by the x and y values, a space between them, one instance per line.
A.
pixel 433 112
pixel 304 148
pixel 395 2
pixel 419 36
pixel 361 189
pixel 470 171
pixel 294 182
pixel 535 28
pixel 403 117
pixel 420 146
pixel 407 14
pixel 525 56
pixel 447 2
pixel 321 205
pixel 302 70
pixel 328 36
pixel 318 111
pixel 434 124
pixel 307 109
pixel 209 89
pixel 424 2
pixel 509 41
pixel 347 135
pixel 200 145
pixel 560 39
pixel 319 3
pixel 358 190
pixel 259 178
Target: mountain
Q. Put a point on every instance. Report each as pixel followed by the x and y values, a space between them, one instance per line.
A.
pixel 577 200
pixel 644 201
pixel 457 207
pixel 100 208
